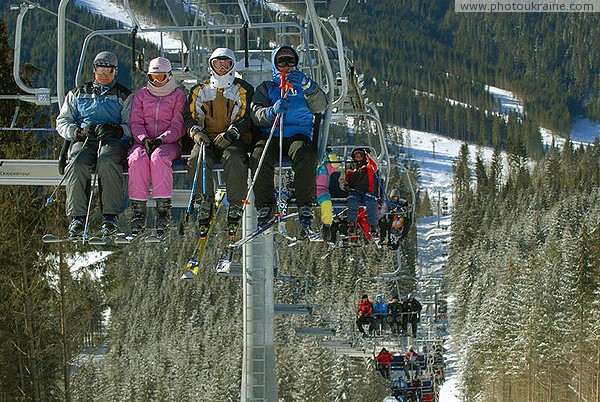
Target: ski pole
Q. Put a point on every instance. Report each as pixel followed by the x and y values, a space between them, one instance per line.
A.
pixel 262 156
pixel 261 160
pixel 95 179
pixel 190 206
pixel 50 198
pixel 204 170
pixel 282 87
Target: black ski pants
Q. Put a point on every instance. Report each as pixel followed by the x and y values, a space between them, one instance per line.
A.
pixel 304 163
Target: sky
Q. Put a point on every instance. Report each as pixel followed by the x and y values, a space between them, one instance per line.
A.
pixel 435 155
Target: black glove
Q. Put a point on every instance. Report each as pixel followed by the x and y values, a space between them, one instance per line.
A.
pixel 157 142
pixel 106 130
pixel 147 142
pixel 84 132
pixel 151 145
pixel 225 139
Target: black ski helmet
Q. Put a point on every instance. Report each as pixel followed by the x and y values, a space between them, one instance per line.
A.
pixel 357 150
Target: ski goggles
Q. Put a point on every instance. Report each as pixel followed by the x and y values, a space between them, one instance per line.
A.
pixel 221 65
pixel 158 78
pixel 101 70
pixel 286 61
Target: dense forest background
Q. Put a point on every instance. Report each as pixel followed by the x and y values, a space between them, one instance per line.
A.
pixel 527 288
pixel 548 60
pixel 524 267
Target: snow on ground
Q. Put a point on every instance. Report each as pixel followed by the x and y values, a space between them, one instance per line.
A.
pixel 435 156
pixel 76 263
pixel 110 9
pixel 583 132
pixel 509 102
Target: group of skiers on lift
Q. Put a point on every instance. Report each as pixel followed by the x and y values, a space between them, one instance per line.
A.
pixel 387 220
pixel 228 120
pixel 395 314
pixel 418 371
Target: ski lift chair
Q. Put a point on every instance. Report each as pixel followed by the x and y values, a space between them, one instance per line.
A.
pixel 427 391
pixel 397 364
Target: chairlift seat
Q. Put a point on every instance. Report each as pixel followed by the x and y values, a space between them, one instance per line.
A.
pixel 397 364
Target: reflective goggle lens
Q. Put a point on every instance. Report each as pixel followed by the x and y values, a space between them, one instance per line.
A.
pixel 286 61
pixel 104 70
pixel 157 78
pixel 222 64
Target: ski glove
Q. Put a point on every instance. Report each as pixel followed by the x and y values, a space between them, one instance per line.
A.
pixel 225 139
pixel 199 135
pixel 106 130
pixel 151 145
pixel 147 142
pixel 281 106
pixel 299 80
pixel 82 133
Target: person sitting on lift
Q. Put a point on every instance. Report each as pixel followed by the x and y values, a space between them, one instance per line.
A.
pixel 360 179
pixel 296 102
pixel 219 117
pixel 157 128
pixel 95 119
pixel 365 315
pixel 394 317
pixel 380 311
pixel 395 223
pixel 329 167
pixel 384 359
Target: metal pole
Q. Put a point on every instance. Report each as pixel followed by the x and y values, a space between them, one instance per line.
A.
pixel 259 382
pixel 60 52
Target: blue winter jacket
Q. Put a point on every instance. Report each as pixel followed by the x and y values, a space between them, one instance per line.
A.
pixel 300 116
pixel 380 307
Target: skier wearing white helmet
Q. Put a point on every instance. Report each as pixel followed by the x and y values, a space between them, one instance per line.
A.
pixel 219 116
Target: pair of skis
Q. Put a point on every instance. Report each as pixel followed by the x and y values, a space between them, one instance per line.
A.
pixel 116 239
pixel 192 267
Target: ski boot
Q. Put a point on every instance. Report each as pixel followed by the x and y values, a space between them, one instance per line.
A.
pixel 234 216
pixel 204 216
pixel 138 220
pixel 76 226
pixel 374 230
pixel 163 216
pixel 110 224
pixel 326 233
pixel 306 217
pixel 264 215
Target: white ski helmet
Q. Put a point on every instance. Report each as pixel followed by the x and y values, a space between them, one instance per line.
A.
pixel 224 80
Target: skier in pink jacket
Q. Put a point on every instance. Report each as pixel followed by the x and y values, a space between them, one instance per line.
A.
pixel 157 127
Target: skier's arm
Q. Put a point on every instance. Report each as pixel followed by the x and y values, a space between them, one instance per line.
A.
pixel 317 101
pixel 66 122
pixel 260 106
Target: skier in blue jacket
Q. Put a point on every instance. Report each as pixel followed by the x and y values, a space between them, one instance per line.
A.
pixel 380 311
pixel 95 117
pixel 302 99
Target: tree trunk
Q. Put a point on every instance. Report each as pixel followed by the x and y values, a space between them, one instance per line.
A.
pixel 63 328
